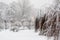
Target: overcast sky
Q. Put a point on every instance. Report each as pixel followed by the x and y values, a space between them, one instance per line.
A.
pixel 36 3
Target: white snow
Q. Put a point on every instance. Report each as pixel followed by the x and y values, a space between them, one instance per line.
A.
pixel 21 35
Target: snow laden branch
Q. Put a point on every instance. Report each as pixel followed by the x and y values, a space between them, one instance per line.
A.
pixel 49 23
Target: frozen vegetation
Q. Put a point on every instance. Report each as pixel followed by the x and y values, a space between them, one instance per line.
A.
pixel 21 21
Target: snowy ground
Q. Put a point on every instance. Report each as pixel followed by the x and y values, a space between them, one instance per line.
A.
pixel 21 35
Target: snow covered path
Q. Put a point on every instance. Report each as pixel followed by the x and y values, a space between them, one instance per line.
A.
pixel 21 35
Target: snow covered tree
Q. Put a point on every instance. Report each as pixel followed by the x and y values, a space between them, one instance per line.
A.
pixel 3 8
pixel 51 26
pixel 20 11
pixel 26 8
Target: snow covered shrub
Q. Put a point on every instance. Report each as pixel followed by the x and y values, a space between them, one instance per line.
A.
pixel 14 29
pixel 15 26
